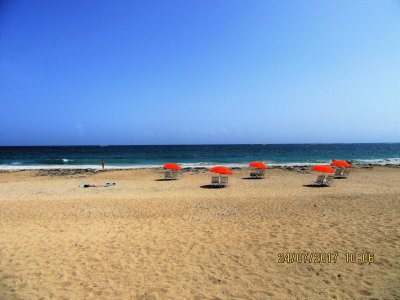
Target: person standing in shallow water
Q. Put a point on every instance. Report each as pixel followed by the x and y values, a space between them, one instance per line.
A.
pixel 102 164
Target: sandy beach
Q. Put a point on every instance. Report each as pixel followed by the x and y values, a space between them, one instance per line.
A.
pixel 145 238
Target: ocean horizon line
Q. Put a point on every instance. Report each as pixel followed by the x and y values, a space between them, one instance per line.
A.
pixel 216 144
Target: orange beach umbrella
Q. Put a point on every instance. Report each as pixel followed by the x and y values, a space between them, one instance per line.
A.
pixel 171 166
pixel 340 163
pixel 258 165
pixel 323 169
pixel 221 170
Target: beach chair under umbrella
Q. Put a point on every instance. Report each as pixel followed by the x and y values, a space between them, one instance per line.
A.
pixel 324 179
pixel 342 168
pixel 221 180
pixel 172 171
pixel 260 169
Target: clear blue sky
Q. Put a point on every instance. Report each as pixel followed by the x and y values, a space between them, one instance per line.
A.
pixel 189 72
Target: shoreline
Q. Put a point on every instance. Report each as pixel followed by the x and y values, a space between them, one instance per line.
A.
pixel 232 166
pixel 91 171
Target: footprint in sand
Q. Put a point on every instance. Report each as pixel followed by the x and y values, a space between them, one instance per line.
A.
pixel 365 293
pixel 216 280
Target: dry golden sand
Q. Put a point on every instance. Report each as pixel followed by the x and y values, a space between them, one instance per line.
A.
pixel 148 239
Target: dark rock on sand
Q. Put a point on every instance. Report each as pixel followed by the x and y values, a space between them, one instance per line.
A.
pixel 65 172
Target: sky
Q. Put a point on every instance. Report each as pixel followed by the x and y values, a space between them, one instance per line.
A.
pixel 102 72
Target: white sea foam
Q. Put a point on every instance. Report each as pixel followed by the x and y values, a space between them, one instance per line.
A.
pixel 95 167
pixel 19 166
pixel 380 161
pixel 298 164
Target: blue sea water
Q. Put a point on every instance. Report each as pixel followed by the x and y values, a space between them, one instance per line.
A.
pixel 193 155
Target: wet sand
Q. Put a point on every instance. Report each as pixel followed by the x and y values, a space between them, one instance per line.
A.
pixel 145 238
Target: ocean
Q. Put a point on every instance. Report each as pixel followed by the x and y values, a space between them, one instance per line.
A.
pixel 50 157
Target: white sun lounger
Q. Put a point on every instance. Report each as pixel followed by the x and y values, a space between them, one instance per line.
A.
pixel 168 175
pixel 215 181
pixel 342 173
pixel 176 175
pixel 258 174
pixel 323 180
pixel 172 175
pixel 224 181
pixel 219 181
